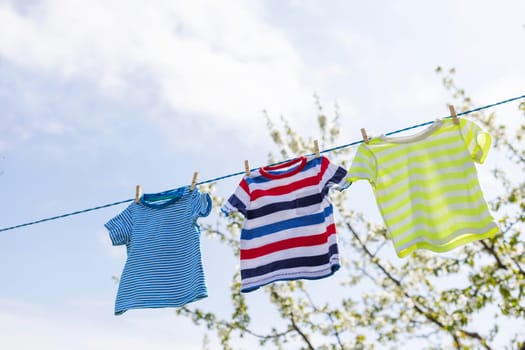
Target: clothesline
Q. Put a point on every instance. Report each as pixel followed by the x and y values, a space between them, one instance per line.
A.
pixel 242 172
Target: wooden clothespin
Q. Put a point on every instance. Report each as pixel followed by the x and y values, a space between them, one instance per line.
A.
pixel 247 167
pixel 453 114
pixel 365 136
pixel 194 181
pixel 316 149
pixel 138 192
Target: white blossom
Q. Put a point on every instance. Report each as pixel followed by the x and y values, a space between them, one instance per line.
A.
pixel 462 301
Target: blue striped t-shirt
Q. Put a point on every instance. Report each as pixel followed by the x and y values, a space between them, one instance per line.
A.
pixel 164 265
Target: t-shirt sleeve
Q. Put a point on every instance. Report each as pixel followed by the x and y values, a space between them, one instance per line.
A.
pixel 120 227
pixel 239 200
pixel 363 166
pixel 202 205
pixel 476 139
pixel 334 175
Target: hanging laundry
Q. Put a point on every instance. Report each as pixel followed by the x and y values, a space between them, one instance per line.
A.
pixel 289 231
pixel 426 185
pixel 164 265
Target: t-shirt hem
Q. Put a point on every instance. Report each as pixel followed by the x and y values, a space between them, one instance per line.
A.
pixel 209 206
pixel 227 209
pixel 343 185
pixel 448 246
pixel 111 235
pixel 332 270
pixel 168 304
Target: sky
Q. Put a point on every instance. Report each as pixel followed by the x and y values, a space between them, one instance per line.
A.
pixel 98 96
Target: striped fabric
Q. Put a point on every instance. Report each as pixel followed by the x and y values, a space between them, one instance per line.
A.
pixel 164 266
pixel 289 231
pixel 426 185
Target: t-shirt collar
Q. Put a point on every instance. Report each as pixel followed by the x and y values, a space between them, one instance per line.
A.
pixel 291 167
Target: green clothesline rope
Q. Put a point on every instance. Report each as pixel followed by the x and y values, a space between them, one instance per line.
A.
pixel 242 172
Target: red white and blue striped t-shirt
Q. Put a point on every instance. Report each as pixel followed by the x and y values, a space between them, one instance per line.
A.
pixel 289 231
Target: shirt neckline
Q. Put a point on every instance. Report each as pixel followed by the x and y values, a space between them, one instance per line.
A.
pixel 163 199
pixel 423 134
pixel 295 165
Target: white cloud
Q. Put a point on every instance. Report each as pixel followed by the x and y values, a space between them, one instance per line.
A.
pixel 422 92
pixel 397 58
pixel 117 253
pixel 29 326
pixel 220 59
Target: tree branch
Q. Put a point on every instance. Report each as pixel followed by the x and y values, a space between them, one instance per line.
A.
pixel 232 326
pixel 330 317
pixel 298 330
pixel 419 309
pixel 492 252
pixel 495 255
pixel 457 343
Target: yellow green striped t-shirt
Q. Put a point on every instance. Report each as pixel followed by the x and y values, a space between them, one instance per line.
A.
pixel 426 185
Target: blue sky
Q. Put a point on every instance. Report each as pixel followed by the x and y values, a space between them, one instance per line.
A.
pixel 97 96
